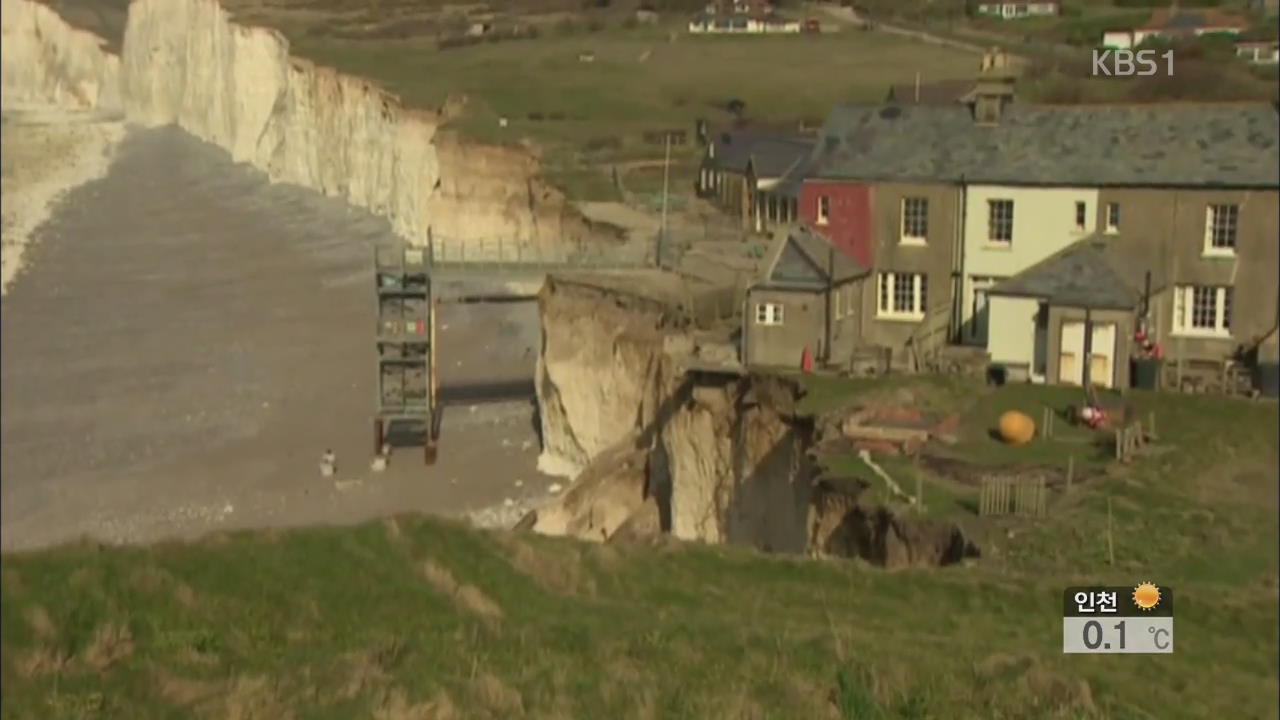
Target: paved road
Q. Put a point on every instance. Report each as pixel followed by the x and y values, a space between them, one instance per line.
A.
pixel 187 341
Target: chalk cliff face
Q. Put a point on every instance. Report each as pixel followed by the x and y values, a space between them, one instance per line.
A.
pixel 185 62
pixel 43 61
pixel 725 460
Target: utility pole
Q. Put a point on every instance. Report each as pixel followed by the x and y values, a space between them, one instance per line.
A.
pixel 666 181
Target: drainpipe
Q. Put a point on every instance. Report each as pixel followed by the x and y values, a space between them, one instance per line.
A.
pixel 957 264
pixel 831 272
pixel 1087 378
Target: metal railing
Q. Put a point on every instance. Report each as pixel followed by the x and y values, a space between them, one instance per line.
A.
pixel 498 254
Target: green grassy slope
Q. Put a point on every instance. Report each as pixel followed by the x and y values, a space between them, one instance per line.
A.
pixel 419 618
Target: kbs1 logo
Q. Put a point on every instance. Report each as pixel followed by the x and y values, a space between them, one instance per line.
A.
pixel 1131 63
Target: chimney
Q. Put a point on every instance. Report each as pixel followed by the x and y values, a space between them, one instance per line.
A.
pixel 994 88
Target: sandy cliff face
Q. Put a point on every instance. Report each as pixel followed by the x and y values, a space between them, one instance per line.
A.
pixel 735 460
pixel 724 459
pixel 603 369
pixel 185 62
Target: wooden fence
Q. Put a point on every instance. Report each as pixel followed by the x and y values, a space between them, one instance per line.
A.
pixel 1130 440
pixel 1013 496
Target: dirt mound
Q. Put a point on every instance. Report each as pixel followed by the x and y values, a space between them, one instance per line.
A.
pixel 845 527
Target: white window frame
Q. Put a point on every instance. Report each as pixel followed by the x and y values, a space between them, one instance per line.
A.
pixel 913 228
pixel 887 286
pixel 992 204
pixel 1230 229
pixel 1184 297
pixel 769 313
pixel 1082 216
pixel 1110 223
pixel 824 209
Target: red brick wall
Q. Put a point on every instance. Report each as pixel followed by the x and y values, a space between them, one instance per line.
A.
pixel 849 222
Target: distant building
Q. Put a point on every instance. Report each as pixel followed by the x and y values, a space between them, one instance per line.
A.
pixel 1176 24
pixel 1259 52
pixel 741 170
pixel 1013 10
pixel 743 24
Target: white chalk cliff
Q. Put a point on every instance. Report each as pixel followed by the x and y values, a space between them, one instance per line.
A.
pixel 185 62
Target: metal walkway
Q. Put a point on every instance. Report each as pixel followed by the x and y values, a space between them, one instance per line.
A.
pixel 407 388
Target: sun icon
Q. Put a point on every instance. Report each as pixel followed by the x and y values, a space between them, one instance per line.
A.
pixel 1146 596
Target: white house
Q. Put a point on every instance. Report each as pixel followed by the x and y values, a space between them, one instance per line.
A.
pixel 743 24
pixel 1007 229
pixel 1259 52
pixel 1012 10
pixel 1174 25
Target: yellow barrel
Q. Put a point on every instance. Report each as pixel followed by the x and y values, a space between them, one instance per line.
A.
pixel 1017 428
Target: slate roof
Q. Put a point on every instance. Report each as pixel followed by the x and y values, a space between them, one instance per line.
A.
pixel 1081 275
pixel 800 260
pixel 772 153
pixel 1218 145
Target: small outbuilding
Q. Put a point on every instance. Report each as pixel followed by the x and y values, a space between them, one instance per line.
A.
pixel 805 302
pixel 1038 318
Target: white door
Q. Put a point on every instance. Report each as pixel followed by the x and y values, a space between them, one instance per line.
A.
pixel 978 287
pixel 1071 358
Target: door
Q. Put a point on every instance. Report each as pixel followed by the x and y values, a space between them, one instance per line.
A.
pixel 1102 354
pixel 1102 359
pixel 979 285
pixel 1070 371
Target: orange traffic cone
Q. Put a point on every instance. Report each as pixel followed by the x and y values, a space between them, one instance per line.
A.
pixel 806 360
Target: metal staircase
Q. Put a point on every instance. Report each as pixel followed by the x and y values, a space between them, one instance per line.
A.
pixel 405 338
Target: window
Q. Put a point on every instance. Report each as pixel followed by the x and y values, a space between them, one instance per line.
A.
pixel 824 209
pixel 1202 310
pixel 1000 221
pixel 915 219
pixel 902 295
pixel 1113 217
pixel 1220 229
pixel 768 313
pixel 1082 216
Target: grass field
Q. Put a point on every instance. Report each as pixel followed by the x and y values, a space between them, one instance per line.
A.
pixel 421 619
pixel 639 81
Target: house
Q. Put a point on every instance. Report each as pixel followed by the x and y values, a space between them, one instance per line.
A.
pixel 741 168
pixel 1039 317
pixel 1259 52
pixel 1003 186
pixel 806 301
pixel 941 92
pixel 752 24
pixel 1012 10
pixel 1176 24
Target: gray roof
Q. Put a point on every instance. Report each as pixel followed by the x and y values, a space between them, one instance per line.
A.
pixel 1081 275
pixel 1224 145
pixel 801 259
pixel 772 154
